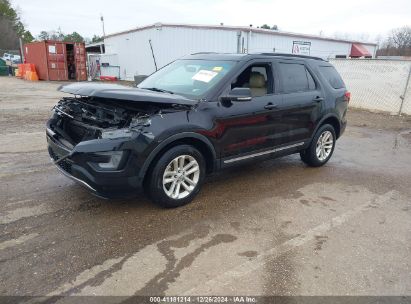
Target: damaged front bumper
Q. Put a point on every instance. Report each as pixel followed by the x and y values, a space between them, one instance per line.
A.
pixel 81 165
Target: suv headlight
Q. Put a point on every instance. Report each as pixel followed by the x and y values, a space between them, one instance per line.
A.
pixel 110 160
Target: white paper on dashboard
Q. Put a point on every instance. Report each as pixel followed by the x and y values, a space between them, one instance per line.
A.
pixel 204 75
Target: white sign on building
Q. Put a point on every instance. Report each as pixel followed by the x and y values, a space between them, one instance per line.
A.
pixel 301 47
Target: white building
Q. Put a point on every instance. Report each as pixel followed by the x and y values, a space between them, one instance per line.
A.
pixel 133 50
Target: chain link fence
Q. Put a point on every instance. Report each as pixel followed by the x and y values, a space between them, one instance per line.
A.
pixel 376 84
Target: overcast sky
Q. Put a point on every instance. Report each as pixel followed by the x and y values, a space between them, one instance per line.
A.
pixel 355 17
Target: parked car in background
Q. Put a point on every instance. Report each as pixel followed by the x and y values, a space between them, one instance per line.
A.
pixel 12 58
pixel 193 117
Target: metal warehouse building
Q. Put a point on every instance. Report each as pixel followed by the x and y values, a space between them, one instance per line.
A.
pixel 131 52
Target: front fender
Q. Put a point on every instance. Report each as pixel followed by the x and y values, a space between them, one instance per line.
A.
pixel 171 139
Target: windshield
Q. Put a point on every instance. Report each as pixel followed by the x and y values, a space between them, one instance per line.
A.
pixel 191 78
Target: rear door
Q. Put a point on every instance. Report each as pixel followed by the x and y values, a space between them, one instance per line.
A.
pixel 301 104
pixel 56 61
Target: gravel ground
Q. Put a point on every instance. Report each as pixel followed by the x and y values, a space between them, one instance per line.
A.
pixel 270 228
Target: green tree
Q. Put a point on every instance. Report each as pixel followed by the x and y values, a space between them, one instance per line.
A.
pixel 96 39
pixel 44 35
pixel 13 15
pixel 8 37
pixel 73 37
pixel 58 35
pixel 267 27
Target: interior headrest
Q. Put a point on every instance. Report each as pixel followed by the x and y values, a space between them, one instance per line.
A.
pixel 257 80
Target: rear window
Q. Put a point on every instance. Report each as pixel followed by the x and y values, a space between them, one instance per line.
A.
pixel 332 76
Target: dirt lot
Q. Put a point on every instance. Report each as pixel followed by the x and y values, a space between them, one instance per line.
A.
pixel 272 228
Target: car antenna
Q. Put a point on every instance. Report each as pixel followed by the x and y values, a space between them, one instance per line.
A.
pixel 152 53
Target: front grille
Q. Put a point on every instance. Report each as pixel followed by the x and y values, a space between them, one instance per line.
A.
pixel 64 164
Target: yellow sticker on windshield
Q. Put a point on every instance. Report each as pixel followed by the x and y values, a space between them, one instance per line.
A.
pixel 217 69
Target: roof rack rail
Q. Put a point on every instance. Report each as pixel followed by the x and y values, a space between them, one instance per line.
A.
pixel 289 55
pixel 201 53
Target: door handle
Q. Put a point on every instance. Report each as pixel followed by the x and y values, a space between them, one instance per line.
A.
pixel 270 106
pixel 318 99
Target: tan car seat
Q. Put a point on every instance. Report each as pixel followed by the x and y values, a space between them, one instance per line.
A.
pixel 257 84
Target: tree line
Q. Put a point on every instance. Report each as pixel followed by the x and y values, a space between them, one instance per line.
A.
pixel 398 43
pixel 58 35
pixel 12 28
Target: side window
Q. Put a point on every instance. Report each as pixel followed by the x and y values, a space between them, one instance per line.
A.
pixel 332 76
pixel 258 77
pixel 311 82
pixel 296 78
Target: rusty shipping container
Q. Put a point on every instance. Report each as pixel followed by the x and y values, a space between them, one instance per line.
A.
pixel 56 60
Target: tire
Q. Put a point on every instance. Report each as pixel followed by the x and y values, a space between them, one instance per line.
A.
pixel 310 155
pixel 183 191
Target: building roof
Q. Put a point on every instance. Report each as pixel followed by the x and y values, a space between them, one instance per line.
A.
pixel 236 28
pixel 244 56
pixel 95 44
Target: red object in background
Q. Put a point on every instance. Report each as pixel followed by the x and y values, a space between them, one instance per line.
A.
pixel 358 50
pixel 56 60
pixel 108 78
pixel 347 96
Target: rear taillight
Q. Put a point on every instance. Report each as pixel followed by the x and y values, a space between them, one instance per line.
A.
pixel 347 96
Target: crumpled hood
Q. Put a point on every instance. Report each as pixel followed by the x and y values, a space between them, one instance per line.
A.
pixel 115 91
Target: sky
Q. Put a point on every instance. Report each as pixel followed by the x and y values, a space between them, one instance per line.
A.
pixel 355 19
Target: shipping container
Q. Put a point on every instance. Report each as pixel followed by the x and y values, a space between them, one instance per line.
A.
pixel 56 60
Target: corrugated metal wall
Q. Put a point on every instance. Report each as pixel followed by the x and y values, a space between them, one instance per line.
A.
pixel 283 44
pixel 172 42
pixel 169 43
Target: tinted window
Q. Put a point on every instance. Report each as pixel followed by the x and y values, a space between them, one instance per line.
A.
pixel 332 76
pixel 296 78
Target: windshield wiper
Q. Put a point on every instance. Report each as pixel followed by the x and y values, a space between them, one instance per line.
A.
pixel 158 90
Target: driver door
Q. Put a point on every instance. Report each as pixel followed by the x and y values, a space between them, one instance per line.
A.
pixel 247 127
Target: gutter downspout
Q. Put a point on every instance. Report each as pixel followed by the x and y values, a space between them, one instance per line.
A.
pixel 238 42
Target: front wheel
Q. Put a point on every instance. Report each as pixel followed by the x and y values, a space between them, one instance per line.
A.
pixel 321 148
pixel 177 176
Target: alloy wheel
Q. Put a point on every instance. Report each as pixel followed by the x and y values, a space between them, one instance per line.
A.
pixel 181 176
pixel 324 145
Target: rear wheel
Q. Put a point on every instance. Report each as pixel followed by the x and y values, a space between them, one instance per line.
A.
pixel 321 148
pixel 177 176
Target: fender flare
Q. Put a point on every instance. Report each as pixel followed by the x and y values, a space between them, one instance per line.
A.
pixel 171 139
pixel 319 124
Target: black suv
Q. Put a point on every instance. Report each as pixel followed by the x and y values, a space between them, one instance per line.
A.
pixel 196 115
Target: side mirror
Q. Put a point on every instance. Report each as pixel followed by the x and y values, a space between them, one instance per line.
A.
pixel 238 94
